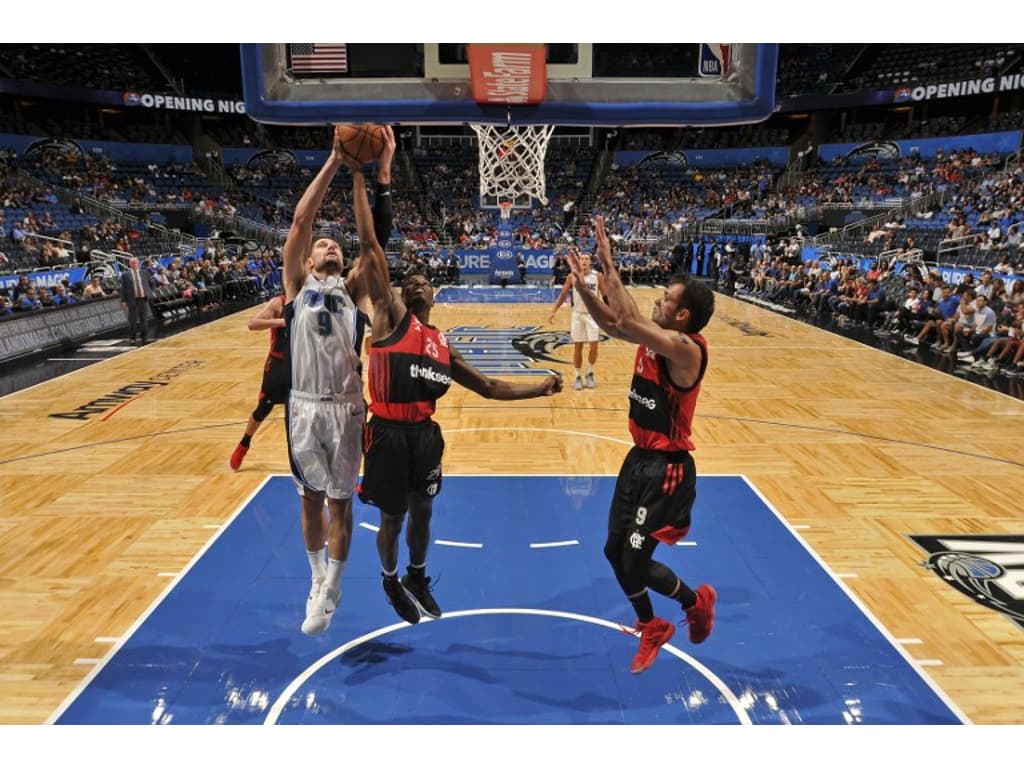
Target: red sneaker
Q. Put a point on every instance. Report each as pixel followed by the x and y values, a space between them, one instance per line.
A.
pixel 701 615
pixel 654 634
pixel 237 456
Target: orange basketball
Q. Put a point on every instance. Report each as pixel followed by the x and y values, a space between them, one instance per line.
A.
pixel 364 142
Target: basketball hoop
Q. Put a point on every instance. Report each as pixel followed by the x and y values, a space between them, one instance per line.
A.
pixel 506 210
pixel 512 161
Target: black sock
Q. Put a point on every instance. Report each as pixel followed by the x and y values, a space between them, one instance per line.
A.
pixel 686 596
pixel 642 606
pixel 418 571
pixel 244 442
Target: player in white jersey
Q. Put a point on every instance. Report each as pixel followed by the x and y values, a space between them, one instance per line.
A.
pixel 582 329
pixel 326 411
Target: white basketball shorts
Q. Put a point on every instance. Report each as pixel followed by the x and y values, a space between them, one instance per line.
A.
pixel 584 328
pixel 325 443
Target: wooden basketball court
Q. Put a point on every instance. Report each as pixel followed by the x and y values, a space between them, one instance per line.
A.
pixel 114 477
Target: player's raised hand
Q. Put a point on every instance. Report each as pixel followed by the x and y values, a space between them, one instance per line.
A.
pixel 576 269
pixel 338 153
pixel 604 247
pixel 389 147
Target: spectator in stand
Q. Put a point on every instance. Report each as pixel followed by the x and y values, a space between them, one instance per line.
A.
pixel 452 268
pixel 29 300
pixel 940 312
pixel 1003 346
pixel 21 287
pixel 93 290
pixel 983 327
pixel 559 270
pixel 871 304
pixel 5 305
pixel 63 298
pixel 960 326
pixel 986 286
pixel 913 313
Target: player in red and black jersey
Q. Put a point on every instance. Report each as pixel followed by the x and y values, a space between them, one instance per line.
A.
pixel 274 389
pixel 656 487
pixel 411 366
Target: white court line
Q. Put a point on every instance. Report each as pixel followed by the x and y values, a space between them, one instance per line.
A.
pixel 286 695
pixel 86 662
pixel 852 596
pixel 545 544
pixel 468 544
pixel 686 543
pixel 369 527
pixel 84 683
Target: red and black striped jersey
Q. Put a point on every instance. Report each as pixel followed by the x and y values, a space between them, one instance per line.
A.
pixel 409 370
pixel 661 413
pixel 278 337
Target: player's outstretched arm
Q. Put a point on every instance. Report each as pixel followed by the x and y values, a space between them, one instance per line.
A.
pixel 496 389
pixel 270 315
pixel 602 313
pixel 566 287
pixel 621 303
pixel 300 236
pixel 370 273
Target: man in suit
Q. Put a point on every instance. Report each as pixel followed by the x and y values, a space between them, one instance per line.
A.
pixel 135 297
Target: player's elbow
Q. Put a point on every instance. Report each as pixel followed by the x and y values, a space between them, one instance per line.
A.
pixel 489 389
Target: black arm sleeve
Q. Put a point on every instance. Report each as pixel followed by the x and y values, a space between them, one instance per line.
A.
pixel 382 214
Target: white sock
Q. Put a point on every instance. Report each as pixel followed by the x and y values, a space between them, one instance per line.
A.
pixel 334 570
pixel 316 563
pixel 590 369
pixel 578 373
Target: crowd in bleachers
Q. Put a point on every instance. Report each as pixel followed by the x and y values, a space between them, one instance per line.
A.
pixel 974 322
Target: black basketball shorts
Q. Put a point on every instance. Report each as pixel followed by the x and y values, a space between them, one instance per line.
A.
pixel 274 389
pixel 654 495
pixel 400 458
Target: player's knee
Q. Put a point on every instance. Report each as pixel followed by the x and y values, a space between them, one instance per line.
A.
pixel 262 410
pixel 391 525
pixel 613 552
pixel 634 564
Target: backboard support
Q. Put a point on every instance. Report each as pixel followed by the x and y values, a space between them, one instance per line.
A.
pixel 735 84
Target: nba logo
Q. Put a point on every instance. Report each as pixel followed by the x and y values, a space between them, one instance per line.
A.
pixel 714 59
pixel 132 99
pixel 902 94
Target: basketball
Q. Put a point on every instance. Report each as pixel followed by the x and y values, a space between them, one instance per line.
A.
pixel 364 142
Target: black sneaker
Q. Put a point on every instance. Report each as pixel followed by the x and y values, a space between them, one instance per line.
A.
pixel 419 589
pixel 398 598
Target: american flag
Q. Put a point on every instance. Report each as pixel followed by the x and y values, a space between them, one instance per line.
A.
pixel 318 57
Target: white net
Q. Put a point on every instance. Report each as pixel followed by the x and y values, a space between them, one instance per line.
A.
pixel 512 161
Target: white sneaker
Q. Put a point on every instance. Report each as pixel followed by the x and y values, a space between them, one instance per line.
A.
pixel 910 339
pixel 965 357
pixel 991 364
pixel 325 603
pixel 314 593
pixel 578 384
pixel 590 380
